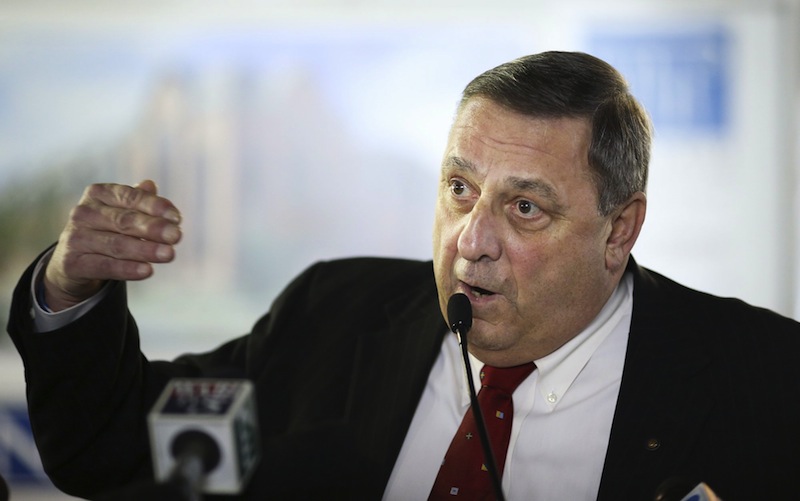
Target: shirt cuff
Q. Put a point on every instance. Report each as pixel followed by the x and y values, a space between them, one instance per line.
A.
pixel 46 321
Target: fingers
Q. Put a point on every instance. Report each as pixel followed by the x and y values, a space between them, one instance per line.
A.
pixel 125 223
pixel 82 244
pixel 115 232
pixel 100 266
pixel 131 222
pixel 142 200
pixel 148 185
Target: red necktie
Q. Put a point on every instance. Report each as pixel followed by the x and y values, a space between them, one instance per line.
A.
pixel 463 472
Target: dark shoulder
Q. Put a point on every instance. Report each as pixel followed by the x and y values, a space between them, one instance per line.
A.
pixel 655 289
pixel 358 285
pixel 362 282
pixel 372 272
pixel 722 324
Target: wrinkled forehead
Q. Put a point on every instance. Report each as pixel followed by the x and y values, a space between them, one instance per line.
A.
pixel 489 116
pixel 482 124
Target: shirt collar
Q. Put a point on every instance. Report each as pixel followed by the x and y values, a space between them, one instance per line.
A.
pixel 558 370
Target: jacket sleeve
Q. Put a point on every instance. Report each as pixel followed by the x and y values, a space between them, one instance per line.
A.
pixel 89 389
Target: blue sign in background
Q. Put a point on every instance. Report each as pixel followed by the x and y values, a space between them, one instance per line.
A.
pixel 682 77
pixel 19 459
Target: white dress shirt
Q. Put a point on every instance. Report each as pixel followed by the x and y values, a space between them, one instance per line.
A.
pixel 562 414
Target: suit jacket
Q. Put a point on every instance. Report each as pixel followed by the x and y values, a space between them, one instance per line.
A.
pixel 709 389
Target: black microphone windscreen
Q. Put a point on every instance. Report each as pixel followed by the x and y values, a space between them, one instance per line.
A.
pixel 459 313
pixel 199 444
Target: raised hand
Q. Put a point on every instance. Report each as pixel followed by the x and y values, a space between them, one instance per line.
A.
pixel 115 232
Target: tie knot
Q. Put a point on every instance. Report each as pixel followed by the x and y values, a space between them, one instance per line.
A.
pixel 505 379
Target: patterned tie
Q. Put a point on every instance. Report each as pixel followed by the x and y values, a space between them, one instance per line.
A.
pixel 463 472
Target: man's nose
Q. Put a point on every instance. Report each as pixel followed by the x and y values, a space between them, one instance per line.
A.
pixel 480 237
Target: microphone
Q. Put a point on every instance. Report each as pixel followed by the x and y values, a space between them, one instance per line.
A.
pixel 701 492
pixel 681 489
pixel 459 316
pixel 204 435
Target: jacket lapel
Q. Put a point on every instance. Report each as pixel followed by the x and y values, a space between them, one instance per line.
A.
pixel 664 396
pixel 393 365
pixel 349 402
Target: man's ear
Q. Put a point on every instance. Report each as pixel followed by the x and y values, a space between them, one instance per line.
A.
pixel 626 223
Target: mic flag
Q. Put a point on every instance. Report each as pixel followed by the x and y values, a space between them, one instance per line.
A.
pixel 701 492
pixel 212 421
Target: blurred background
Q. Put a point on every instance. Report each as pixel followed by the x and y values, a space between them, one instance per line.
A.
pixel 293 131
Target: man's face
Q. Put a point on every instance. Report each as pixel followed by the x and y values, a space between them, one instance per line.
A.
pixel 517 229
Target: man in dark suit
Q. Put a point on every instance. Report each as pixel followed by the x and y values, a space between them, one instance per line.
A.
pixel 637 380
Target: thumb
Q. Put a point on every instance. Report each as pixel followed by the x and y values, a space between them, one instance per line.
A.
pixel 147 185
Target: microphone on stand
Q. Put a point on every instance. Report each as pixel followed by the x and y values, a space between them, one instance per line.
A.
pixel 459 315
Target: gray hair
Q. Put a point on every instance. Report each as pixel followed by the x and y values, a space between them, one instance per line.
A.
pixel 574 84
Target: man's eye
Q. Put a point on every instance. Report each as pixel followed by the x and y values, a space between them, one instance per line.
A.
pixel 457 187
pixel 527 208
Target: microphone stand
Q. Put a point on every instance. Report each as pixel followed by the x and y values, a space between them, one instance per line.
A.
pixel 459 313
pixel 491 464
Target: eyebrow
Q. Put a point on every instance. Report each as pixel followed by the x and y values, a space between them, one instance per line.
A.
pixel 459 163
pixel 541 188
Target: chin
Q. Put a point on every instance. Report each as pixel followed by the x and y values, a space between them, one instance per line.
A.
pixel 489 346
pixel 498 358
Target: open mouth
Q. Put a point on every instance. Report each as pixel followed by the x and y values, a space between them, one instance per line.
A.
pixel 480 292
